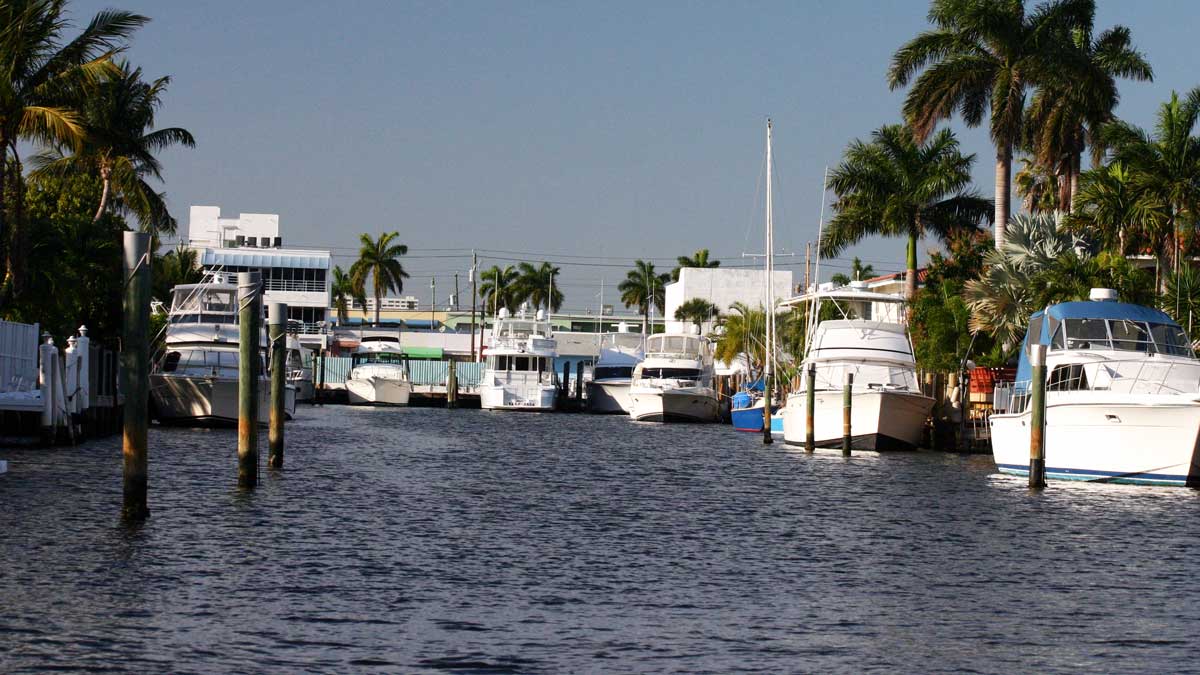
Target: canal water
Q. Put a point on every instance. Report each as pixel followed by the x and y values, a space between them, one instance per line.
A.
pixel 425 540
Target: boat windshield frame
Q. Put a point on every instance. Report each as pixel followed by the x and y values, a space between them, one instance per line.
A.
pixel 191 304
pixel 689 347
pixel 1134 336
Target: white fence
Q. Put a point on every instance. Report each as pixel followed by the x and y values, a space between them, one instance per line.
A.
pixel 18 356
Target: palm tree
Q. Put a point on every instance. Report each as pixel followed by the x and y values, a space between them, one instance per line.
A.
pixel 345 295
pixel 40 74
pixel 979 58
pixel 500 288
pixel 379 259
pixel 697 311
pixel 1037 186
pixel 644 287
pixel 1117 215
pixel 744 332
pixel 538 287
pixel 1073 102
pixel 857 272
pixel 699 259
pixel 1183 297
pixel 118 146
pixel 177 266
pixel 895 186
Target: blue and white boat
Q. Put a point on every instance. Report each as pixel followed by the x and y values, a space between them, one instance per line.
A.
pixel 1122 396
pixel 746 409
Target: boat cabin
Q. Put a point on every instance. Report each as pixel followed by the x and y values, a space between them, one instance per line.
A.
pixel 204 303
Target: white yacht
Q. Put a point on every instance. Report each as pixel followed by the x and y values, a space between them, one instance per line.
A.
pixel 620 352
pixel 1122 396
pixel 888 410
pixel 195 382
pixel 379 373
pixel 518 371
pixel 674 383
pixel 299 362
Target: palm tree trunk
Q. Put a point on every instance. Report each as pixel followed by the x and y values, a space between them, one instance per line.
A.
pixel 1003 198
pixel 1075 169
pixel 910 274
pixel 103 196
pixel 18 236
pixel 378 303
pixel 4 248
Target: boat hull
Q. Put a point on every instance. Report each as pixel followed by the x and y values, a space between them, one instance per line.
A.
pixel 609 397
pixel 880 420
pixel 378 391
pixel 533 398
pixel 675 405
pixel 1149 442
pixel 751 419
pixel 206 401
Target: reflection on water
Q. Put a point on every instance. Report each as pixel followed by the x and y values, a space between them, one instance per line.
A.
pixel 421 540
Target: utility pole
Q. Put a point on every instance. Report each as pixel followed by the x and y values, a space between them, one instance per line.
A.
pixel 807 264
pixel 432 300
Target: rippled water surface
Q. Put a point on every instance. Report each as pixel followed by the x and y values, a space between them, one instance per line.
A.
pixel 425 540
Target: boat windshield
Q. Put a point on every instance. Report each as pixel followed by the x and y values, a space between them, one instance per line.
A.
pixel 523 329
pixel 629 341
pixel 212 305
pixel 203 363
pixel 612 372
pixel 673 344
pixel 377 357
pixel 670 373
pixel 1121 335
pixel 538 364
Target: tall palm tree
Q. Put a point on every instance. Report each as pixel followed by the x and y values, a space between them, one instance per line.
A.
pixel 345 295
pixel 379 259
pixel 119 145
pixel 1073 102
pixel 980 57
pixel 643 287
pixel 500 287
pixel 40 73
pixel 698 259
pixel 697 311
pixel 539 287
pixel 894 186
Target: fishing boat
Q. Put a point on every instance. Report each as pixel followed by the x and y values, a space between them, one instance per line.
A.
pixel 875 357
pixel 1122 396
pixel 195 381
pixel 518 371
pixel 378 373
pixel 674 383
pixel 620 352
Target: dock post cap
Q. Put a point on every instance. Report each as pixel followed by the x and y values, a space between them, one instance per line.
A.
pixel 278 314
pixel 1037 355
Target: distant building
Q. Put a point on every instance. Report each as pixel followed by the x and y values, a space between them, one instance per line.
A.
pixel 252 242
pixel 723 286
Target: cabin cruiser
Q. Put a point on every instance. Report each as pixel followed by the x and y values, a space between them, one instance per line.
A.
pixel 195 382
pixel 620 352
pixel 378 373
pixel 518 372
pixel 888 409
pixel 674 383
pixel 1122 396
pixel 299 362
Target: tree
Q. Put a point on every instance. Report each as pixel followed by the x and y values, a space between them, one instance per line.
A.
pixel 1182 298
pixel 644 287
pixel 344 294
pixel 1113 211
pixel 500 288
pixel 697 311
pixel 119 146
pixel 895 186
pixel 744 331
pixel 857 272
pixel 699 259
pixel 40 74
pixel 379 259
pixel 1037 186
pixel 178 266
pixel 981 56
pixel 538 285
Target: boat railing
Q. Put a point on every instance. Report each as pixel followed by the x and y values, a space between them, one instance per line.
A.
pixel 1137 376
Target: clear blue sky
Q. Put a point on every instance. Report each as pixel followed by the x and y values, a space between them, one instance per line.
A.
pixel 610 129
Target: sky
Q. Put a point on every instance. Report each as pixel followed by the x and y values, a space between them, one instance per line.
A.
pixel 588 134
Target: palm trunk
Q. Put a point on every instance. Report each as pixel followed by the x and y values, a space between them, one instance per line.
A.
pixel 18 236
pixel 103 195
pixel 4 248
pixel 910 274
pixel 1075 168
pixel 378 302
pixel 1003 198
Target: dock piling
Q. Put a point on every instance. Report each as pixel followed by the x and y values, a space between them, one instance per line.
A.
pixel 566 383
pixel 249 315
pixel 451 385
pixel 810 430
pixel 579 385
pixel 1037 421
pixel 847 401
pixel 135 374
pixel 277 329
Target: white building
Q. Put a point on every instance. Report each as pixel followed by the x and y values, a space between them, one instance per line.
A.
pixel 252 242
pixel 723 286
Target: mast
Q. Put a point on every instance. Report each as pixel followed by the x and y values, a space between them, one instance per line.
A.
pixel 770 307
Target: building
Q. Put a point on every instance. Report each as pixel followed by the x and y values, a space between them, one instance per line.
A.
pixel 723 286
pixel 252 242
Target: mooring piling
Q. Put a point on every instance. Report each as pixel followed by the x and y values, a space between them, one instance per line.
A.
pixel 810 395
pixel 47 358
pixel 451 385
pixel 249 330
pixel 847 401
pixel 277 329
pixel 566 383
pixel 135 374
pixel 579 385
pixel 1037 419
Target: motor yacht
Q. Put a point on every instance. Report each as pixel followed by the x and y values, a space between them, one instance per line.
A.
pixel 518 369
pixel 379 373
pixel 620 352
pixel 674 383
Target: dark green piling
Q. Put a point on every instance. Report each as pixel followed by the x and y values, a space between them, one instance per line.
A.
pixel 847 402
pixel 810 418
pixel 249 316
pixel 277 328
pixel 1037 422
pixel 135 374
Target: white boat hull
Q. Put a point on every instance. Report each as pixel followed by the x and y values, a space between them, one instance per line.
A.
pixel 879 420
pixel 535 398
pixel 609 397
pixel 1153 441
pixel 674 405
pixel 378 391
pixel 207 401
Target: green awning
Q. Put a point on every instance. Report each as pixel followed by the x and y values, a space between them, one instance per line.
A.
pixel 422 352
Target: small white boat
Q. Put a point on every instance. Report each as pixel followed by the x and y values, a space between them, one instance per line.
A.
pixel 1122 396
pixel 299 361
pixel 888 410
pixel 620 352
pixel 518 371
pixel 674 383
pixel 379 373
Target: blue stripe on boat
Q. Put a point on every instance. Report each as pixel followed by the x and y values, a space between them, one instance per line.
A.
pixel 1097 475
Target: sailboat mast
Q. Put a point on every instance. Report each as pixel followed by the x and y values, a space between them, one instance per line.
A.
pixel 770 257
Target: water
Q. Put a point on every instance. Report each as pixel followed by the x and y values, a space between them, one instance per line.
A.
pixel 422 540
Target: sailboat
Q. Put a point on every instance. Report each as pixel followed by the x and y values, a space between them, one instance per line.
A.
pixel 751 408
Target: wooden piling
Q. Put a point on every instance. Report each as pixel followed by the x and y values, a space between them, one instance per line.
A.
pixel 135 374
pixel 810 422
pixel 277 329
pixel 579 385
pixel 249 315
pixel 566 381
pixel 451 385
pixel 847 401
pixel 1037 422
